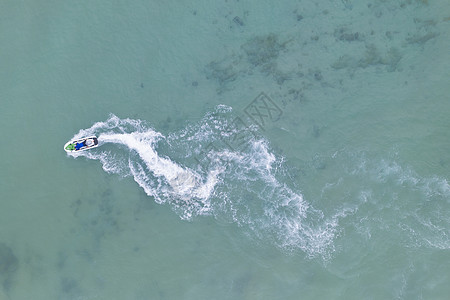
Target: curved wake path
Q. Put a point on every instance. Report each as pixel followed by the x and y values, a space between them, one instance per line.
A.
pixel 245 187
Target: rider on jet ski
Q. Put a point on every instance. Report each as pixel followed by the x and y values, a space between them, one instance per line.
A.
pixel 78 146
pixel 88 142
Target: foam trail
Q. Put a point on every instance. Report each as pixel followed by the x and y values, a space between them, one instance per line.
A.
pixel 180 179
pixel 197 173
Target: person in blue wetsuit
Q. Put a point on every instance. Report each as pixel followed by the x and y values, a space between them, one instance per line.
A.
pixel 79 146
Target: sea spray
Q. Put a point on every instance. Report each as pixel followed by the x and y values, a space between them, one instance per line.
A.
pixel 196 172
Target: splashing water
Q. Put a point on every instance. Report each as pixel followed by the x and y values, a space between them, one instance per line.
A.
pixel 196 173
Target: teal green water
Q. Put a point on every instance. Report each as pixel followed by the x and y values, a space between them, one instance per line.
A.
pixel 249 150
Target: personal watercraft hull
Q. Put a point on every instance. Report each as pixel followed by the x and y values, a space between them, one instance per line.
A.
pixel 81 144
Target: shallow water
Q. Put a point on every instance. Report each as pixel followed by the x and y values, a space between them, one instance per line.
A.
pixel 248 150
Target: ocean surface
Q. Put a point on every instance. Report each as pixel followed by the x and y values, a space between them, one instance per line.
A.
pixel 248 149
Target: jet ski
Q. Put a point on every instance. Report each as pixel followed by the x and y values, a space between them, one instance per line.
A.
pixel 81 144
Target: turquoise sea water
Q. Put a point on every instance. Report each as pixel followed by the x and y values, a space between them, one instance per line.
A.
pixel 249 149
